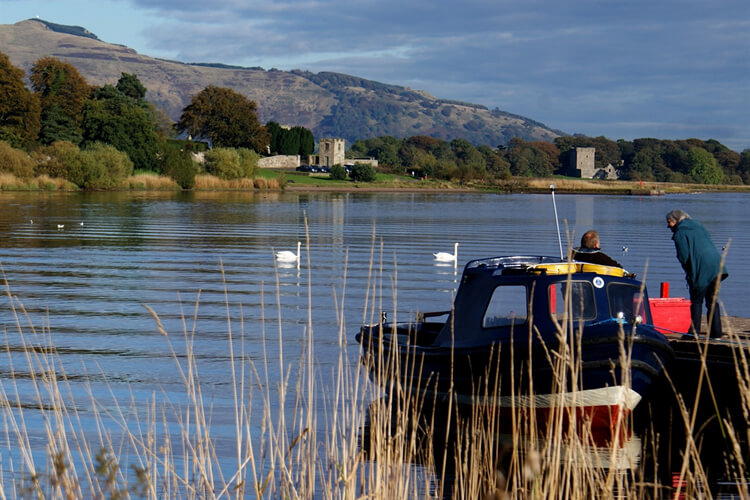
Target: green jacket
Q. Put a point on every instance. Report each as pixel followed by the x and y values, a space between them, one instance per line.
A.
pixel 697 254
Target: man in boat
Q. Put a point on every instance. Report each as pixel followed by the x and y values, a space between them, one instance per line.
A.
pixel 703 268
pixel 591 252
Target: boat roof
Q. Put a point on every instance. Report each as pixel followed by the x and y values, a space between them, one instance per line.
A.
pixel 542 264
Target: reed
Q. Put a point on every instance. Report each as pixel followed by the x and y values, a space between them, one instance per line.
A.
pixel 210 182
pixel 149 181
pixel 9 182
pixel 298 437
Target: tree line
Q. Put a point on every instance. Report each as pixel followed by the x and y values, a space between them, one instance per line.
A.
pixel 683 161
pixel 96 136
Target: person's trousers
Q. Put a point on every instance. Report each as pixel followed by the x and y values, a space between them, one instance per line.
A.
pixel 709 295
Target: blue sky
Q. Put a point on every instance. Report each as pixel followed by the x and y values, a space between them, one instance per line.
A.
pixel 669 69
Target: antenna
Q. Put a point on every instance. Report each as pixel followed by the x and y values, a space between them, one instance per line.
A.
pixel 557 224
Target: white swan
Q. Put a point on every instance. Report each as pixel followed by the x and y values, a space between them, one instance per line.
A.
pixel 60 226
pixel 289 256
pixel 447 257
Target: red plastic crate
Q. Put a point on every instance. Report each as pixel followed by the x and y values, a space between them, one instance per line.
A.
pixel 671 315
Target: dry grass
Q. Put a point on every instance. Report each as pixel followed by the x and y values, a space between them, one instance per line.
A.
pixel 210 182
pixel 309 451
pixel 9 182
pixel 150 181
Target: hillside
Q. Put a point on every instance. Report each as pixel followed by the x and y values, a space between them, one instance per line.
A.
pixel 329 104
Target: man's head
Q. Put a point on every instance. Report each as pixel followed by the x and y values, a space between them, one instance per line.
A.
pixel 590 239
pixel 675 217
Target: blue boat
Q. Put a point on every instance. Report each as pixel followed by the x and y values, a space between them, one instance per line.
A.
pixel 529 332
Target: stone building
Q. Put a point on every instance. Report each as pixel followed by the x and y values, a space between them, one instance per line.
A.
pixel 330 152
pixel 581 163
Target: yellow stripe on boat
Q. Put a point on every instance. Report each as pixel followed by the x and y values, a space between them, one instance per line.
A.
pixel 577 267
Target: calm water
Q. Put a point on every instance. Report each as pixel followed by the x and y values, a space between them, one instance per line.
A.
pixel 87 282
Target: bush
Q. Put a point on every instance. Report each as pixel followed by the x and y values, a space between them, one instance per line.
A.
pixel 338 172
pixel 177 163
pixel 100 166
pixel 248 162
pixel 224 163
pixel 16 162
pixel 55 159
pixel 362 173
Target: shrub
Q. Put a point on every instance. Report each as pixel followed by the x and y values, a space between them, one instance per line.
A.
pixel 177 163
pixel 338 172
pixel 224 163
pixel 55 159
pixel 100 166
pixel 16 162
pixel 248 162
pixel 362 173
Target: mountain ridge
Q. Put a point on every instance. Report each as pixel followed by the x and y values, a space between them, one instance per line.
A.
pixel 329 104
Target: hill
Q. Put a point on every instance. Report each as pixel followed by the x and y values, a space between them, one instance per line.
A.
pixel 329 104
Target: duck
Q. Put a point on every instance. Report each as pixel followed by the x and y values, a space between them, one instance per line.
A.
pixel 60 226
pixel 289 256
pixel 447 257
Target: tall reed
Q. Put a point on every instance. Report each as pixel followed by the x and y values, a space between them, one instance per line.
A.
pixel 303 434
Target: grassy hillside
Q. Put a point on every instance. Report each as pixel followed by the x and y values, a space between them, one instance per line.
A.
pixel 329 104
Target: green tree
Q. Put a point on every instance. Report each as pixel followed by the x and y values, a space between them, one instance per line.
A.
pixel 470 162
pixel 703 167
pixel 100 166
pixel 226 117
pixel 176 162
pixel 62 92
pixel 131 86
pixel 20 111
pixel 114 118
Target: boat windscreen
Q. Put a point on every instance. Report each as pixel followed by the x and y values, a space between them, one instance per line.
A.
pixel 577 296
pixel 627 302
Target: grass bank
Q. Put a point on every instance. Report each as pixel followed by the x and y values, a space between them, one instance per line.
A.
pixel 268 179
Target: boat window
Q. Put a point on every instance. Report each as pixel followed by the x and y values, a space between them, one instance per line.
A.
pixel 508 306
pixel 580 301
pixel 627 302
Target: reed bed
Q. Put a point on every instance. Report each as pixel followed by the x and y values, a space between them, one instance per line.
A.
pixel 303 434
pixel 150 181
pixel 211 182
pixel 9 182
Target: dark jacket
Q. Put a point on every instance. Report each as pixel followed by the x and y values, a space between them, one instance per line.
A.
pixel 697 254
pixel 594 256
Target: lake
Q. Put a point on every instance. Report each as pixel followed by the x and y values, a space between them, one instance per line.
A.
pixel 204 262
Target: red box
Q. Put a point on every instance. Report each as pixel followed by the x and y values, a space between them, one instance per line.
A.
pixel 670 315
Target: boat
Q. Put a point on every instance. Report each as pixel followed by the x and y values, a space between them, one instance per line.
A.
pixel 529 332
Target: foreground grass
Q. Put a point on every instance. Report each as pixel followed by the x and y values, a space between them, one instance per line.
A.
pixel 301 450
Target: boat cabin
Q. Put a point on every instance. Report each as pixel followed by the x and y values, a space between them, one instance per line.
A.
pixel 501 296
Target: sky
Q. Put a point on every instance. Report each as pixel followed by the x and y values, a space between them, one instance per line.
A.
pixel 623 69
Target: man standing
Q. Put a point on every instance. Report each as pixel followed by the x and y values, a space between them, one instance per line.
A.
pixel 702 264
pixel 591 252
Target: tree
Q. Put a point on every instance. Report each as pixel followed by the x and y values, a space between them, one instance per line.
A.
pixel 703 167
pixel 62 93
pixel 226 117
pixel 114 118
pixel 131 86
pixel 20 111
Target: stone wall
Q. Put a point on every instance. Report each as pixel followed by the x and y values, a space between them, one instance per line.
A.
pixel 280 162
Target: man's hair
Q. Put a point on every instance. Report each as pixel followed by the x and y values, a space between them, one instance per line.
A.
pixel 677 216
pixel 590 239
